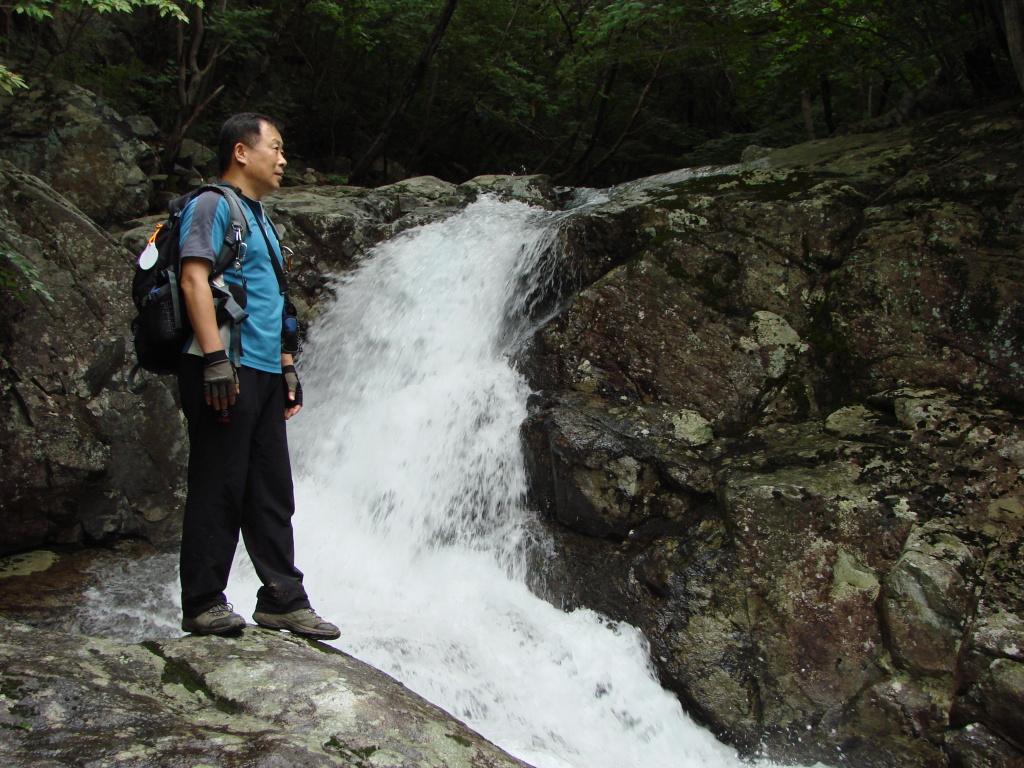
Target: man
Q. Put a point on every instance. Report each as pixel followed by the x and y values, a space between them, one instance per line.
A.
pixel 239 474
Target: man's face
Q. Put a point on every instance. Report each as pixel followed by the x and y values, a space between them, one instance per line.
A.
pixel 264 167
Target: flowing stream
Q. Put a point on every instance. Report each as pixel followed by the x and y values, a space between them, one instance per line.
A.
pixel 412 527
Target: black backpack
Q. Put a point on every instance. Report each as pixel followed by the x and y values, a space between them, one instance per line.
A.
pixel 161 327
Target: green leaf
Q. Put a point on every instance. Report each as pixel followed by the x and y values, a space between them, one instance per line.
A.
pixel 9 81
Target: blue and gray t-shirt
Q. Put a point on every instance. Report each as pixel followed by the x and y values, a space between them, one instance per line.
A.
pixel 204 224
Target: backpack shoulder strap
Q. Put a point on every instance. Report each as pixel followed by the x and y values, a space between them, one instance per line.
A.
pixel 238 227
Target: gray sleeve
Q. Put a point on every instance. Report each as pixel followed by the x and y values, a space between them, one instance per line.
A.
pixel 203 230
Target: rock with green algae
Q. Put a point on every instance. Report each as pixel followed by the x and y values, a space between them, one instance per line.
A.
pixel 261 699
pixel 835 575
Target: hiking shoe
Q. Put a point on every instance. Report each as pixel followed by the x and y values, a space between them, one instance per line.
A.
pixel 219 620
pixel 302 622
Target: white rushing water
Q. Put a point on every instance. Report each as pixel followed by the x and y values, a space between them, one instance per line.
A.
pixel 412 527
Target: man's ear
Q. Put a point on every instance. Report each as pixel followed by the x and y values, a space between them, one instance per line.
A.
pixel 239 153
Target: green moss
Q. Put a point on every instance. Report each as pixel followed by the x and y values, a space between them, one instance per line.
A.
pixel 665 256
pixel 11 689
pixel 660 239
pixel 675 268
pixel 760 184
pixel 323 647
pixel 354 754
pixel 718 283
pixel 460 740
pixel 179 673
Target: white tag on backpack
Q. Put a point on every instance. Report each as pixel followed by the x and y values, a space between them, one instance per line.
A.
pixel 148 256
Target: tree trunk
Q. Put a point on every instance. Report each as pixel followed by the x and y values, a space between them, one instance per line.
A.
pixel 1015 37
pixel 826 103
pixel 655 73
pixel 602 112
pixel 565 148
pixel 412 84
pixel 258 75
pixel 193 80
pixel 805 107
pixel 883 96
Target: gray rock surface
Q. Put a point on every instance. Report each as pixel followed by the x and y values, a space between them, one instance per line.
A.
pixel 261 699
pixel 82 456
pixel 778 428
pixel 74 142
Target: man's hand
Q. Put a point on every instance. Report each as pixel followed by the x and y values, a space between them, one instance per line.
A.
pixel 220 382
pixel 293 391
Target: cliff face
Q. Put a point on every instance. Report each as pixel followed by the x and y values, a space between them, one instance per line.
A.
pixel 781 434
pixel 75 143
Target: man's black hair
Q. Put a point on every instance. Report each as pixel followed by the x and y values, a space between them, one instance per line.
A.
pixel 244 127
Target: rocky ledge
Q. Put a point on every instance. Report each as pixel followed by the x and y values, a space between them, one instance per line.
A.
pixel 262 699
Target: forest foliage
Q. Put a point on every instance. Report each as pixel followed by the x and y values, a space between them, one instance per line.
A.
pixel 589 91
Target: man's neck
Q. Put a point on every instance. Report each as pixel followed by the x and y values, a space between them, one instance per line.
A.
pixel 239 181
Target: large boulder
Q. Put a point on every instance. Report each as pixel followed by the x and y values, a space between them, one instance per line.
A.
pixel 261 699
pixel 778 431
pixel 83 458
pixel 78 145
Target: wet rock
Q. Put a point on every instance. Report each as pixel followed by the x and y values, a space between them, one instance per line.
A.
pixel 536 190
pixel 47 588
pixel 977 747
pixel 593 482
pixel 1002 691
pixel 260 699
pixel 831 569
pixel 927 598
pixel 777 428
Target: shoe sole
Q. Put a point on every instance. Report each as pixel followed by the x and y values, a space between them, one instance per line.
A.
pixel 298 630
pixel 232 629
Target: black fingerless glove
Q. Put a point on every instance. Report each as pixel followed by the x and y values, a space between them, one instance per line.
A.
pixel 292 384
pixel 219 377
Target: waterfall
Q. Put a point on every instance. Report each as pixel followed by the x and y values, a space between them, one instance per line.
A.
pixel 411 525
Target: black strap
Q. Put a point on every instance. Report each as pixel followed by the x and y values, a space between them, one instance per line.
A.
pixel 135 384
pixel 275 259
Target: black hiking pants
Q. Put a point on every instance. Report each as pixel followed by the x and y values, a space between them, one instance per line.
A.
pixel 239 480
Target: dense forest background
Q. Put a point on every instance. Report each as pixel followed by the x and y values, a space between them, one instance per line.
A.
pixel 592 92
